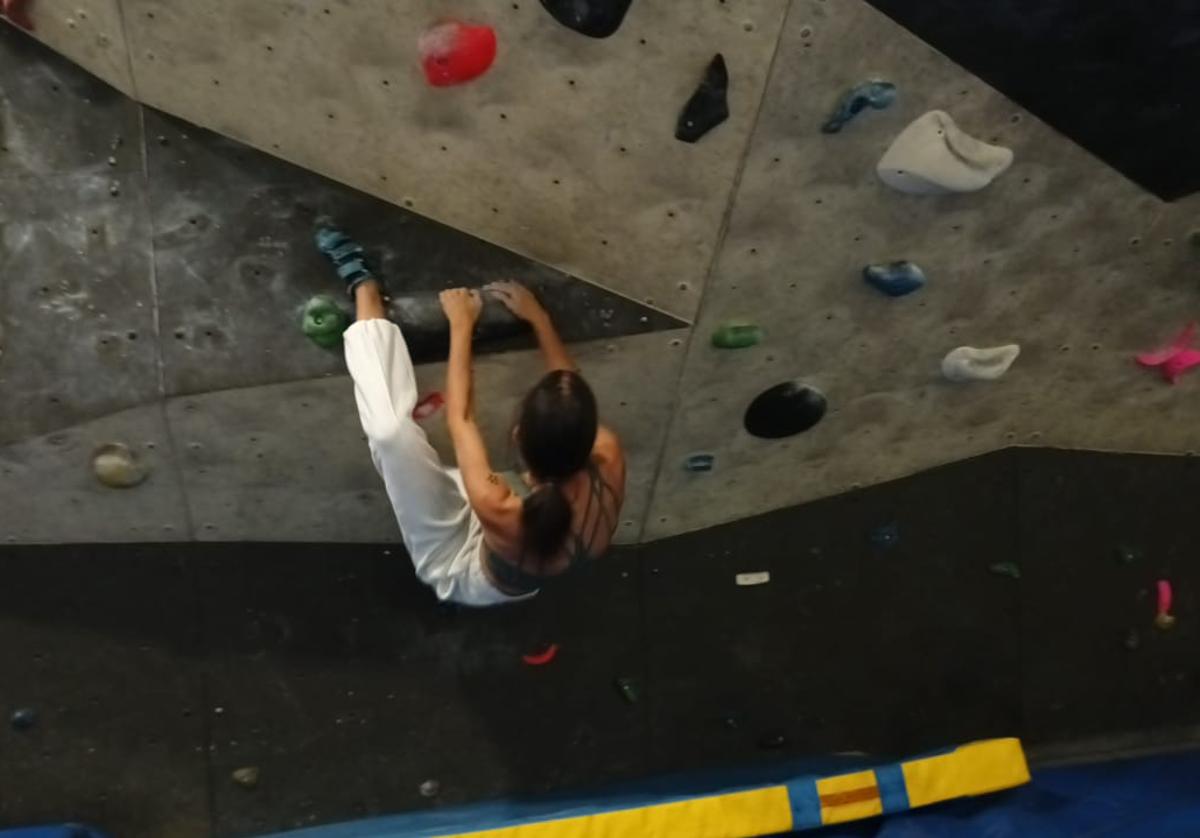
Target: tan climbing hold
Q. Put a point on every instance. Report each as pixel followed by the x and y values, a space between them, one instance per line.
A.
pixel 933 156
pixel 117 466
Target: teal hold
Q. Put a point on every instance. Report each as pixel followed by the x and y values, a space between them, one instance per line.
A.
pixel 324 321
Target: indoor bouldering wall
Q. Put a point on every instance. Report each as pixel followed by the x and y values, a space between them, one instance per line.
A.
pixel 1061 255
pixel 801 239
pixel 154 278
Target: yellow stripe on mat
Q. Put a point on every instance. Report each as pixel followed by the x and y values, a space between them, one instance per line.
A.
pixel 967 771
pixel 739 815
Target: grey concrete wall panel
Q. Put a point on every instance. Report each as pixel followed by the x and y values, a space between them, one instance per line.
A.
pixel 288 462
pixel 564 151
pixel 1061 255
pixel 236 264
pixel 76 301
pixel 49 495
pixel 90 33
pixel 56 118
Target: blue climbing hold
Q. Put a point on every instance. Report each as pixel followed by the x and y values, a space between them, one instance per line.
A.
pixel 23 719
pixel 887 536
pixel 895 278
pixel 876 94
pixel 699 462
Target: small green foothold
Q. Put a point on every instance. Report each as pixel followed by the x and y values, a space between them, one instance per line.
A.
pixel 628 689
pixel 324 321
pixel 736 334
pixel 1009 569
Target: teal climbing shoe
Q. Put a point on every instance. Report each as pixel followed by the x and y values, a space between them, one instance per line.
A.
pixel 347 257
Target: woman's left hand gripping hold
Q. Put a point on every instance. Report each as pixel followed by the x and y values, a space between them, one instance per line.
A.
pixel 462 307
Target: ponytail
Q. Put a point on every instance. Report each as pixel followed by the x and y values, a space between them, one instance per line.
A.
pixel 545 521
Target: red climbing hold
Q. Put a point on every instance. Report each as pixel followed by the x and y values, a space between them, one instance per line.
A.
pixel 543 657
pixel 14 10
pixel 455 52
pixel 1175 359
pixel 428 406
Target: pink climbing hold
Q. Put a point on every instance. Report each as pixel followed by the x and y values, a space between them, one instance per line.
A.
pixel 1176 359
pixel 454 52
pixel 14 10
pixel 1164 619
pixel 428 406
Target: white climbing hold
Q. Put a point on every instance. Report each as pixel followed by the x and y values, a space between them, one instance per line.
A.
pixel 117 466
pixel 966 363
pixel 933 156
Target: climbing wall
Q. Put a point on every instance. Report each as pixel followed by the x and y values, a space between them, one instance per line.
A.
pixel 154 276
pixel 1061 255
pixel 563 151
pixel 178 261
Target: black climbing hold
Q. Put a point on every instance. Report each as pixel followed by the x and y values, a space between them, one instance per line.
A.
pixel 23 719
pixel 772 741
pixel 785 409
pixel 708 106
pixel 594 18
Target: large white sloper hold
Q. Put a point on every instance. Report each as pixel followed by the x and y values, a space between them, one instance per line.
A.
pixel 966 363
pixel 933 156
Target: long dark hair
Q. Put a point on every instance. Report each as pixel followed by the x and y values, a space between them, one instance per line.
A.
pixel 556 430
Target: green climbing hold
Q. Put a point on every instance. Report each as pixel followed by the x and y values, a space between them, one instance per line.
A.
pixel 324 321
pixel 736 334
pixel 628 689
pixel 1010 569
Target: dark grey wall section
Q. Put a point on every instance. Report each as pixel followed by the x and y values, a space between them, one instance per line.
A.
pixel 156 671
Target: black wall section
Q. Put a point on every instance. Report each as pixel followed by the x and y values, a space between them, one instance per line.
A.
pixel 157 671
pixel 1118 76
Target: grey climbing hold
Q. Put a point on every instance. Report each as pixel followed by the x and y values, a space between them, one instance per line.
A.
pixel 772 741
pixel 1010 569
pixel 22 719
pixel 708 106
pixel 876 93
pixel 933 156
pixel 785 409
pixel 966 363
pixel 895 279
pixel 430 788
pixel 1126 555
pixel 594 18
pixel 246 777
pixel 117 466
pixel 699 462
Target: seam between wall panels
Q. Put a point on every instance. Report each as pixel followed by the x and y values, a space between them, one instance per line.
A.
pixel 133 85
pixel 718 248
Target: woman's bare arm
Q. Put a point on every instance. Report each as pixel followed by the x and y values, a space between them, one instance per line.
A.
pixel 488 494
pixel 520 301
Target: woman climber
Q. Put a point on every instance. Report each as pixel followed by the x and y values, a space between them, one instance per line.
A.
pixel 471 537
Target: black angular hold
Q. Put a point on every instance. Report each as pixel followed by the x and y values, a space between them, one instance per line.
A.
pixel 785 409
pixel 594 18
pixel 708 106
